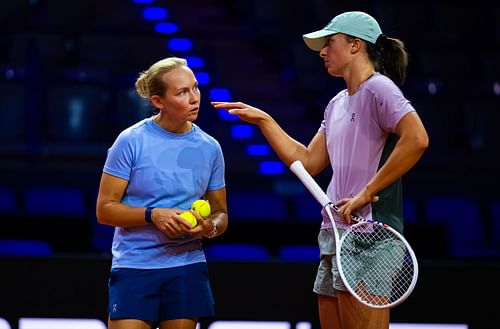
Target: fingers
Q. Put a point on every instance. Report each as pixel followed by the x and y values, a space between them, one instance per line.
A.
pixel 175 224
pixel 347 207
pixel 341 202
pixel 204 227
pixel 186 223
pixel 229 105
pixel 231 108
pixel 346 214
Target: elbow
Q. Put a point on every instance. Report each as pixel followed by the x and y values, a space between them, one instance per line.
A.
pixel 420 145
pixel 422 142
pixel 418 140
pixel 106 211
pixel 223 223
pixel 101 215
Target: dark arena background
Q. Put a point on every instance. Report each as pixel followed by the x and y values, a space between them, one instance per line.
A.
pixel 67 70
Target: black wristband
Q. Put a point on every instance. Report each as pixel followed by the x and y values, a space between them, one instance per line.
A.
pixel 147 214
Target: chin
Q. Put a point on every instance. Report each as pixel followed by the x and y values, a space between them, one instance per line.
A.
pixel 334 74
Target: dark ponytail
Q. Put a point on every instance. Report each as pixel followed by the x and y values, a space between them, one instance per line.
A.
pixel 390 58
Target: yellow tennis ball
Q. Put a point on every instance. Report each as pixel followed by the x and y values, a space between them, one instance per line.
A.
pixel 201 207
pixel 188 216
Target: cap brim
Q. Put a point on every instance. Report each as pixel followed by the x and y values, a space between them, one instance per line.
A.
pixel 316 40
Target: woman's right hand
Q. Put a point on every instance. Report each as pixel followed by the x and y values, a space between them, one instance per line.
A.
pixel 168 221
pixel 245 112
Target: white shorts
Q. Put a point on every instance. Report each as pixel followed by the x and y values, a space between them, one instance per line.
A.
pixel 328 279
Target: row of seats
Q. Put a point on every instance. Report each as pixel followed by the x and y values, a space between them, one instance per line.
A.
pixel 25 247
pixel 272 206
pixel 259 252
pixel 214 252
pixel 471 228
pixel 70 111
pixel 82 112
pixel 54 200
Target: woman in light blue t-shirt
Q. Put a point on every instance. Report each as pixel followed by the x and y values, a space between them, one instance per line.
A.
pixel 153 172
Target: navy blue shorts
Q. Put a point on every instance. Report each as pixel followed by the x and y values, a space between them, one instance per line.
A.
pixel 161 294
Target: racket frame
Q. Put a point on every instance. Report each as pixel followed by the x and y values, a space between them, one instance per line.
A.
pixel 353 228
pixel 298 169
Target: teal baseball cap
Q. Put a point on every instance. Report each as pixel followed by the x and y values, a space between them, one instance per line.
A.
pixel 355 23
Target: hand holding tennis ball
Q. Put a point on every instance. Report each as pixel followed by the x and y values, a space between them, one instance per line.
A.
pixel 201 207
pixel 189 217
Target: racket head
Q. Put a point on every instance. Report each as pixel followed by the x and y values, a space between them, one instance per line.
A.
pixel 377 264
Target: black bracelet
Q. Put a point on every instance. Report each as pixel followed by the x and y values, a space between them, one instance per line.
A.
pixel 147 214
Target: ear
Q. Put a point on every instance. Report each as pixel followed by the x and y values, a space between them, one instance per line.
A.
pixel 356 46
pixel 157 101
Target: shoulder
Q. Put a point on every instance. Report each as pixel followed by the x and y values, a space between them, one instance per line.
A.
pixel 136 128
pixel 382 86
pixel 130 135
pixel 204 136
pixel 341 94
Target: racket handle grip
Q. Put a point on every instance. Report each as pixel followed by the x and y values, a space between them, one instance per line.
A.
pixel 298 169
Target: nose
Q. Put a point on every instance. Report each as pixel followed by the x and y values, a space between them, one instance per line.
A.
pixel 194 97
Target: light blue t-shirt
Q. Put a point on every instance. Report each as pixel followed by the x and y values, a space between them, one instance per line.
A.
pixel 357 129
pixel 164 170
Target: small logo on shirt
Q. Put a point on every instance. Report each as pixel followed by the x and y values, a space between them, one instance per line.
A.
pixel 114 307
pixel 353 116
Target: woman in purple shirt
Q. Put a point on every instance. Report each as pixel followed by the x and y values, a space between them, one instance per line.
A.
pixel 370 135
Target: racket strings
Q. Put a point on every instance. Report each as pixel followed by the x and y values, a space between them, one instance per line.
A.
pixel 376 265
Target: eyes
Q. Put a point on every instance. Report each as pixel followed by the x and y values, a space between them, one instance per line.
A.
pixel 328 42
pixel 184 91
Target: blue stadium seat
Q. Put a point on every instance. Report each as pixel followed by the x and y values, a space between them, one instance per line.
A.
pixel 75 113
pixel 14 247
pixel 481 114
pixel 54 201
pixel 463 221
pixel 299 253
pixel 237 252
pixel 8 202
pixel 495 226
pixel 129 107
pixel 410 211
pixel 12 111
pixel 256 206
pixel 306 208
pixel 102 237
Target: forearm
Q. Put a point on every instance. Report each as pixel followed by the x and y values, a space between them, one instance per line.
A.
pixel 287 148
pixel 412 143
pixel 404 156
pixel 314 156
pixel 220 220
pixel 119 214
pixel 217 200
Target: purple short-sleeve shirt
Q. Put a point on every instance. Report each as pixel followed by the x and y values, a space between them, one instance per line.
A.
pixel 356 128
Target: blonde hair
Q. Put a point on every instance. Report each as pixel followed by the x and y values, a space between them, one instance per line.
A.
pixel 149 82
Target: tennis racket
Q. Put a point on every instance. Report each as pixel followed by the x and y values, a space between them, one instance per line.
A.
pixel 376 263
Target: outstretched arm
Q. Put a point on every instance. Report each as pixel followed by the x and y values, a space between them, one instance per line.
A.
pixel 314 156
